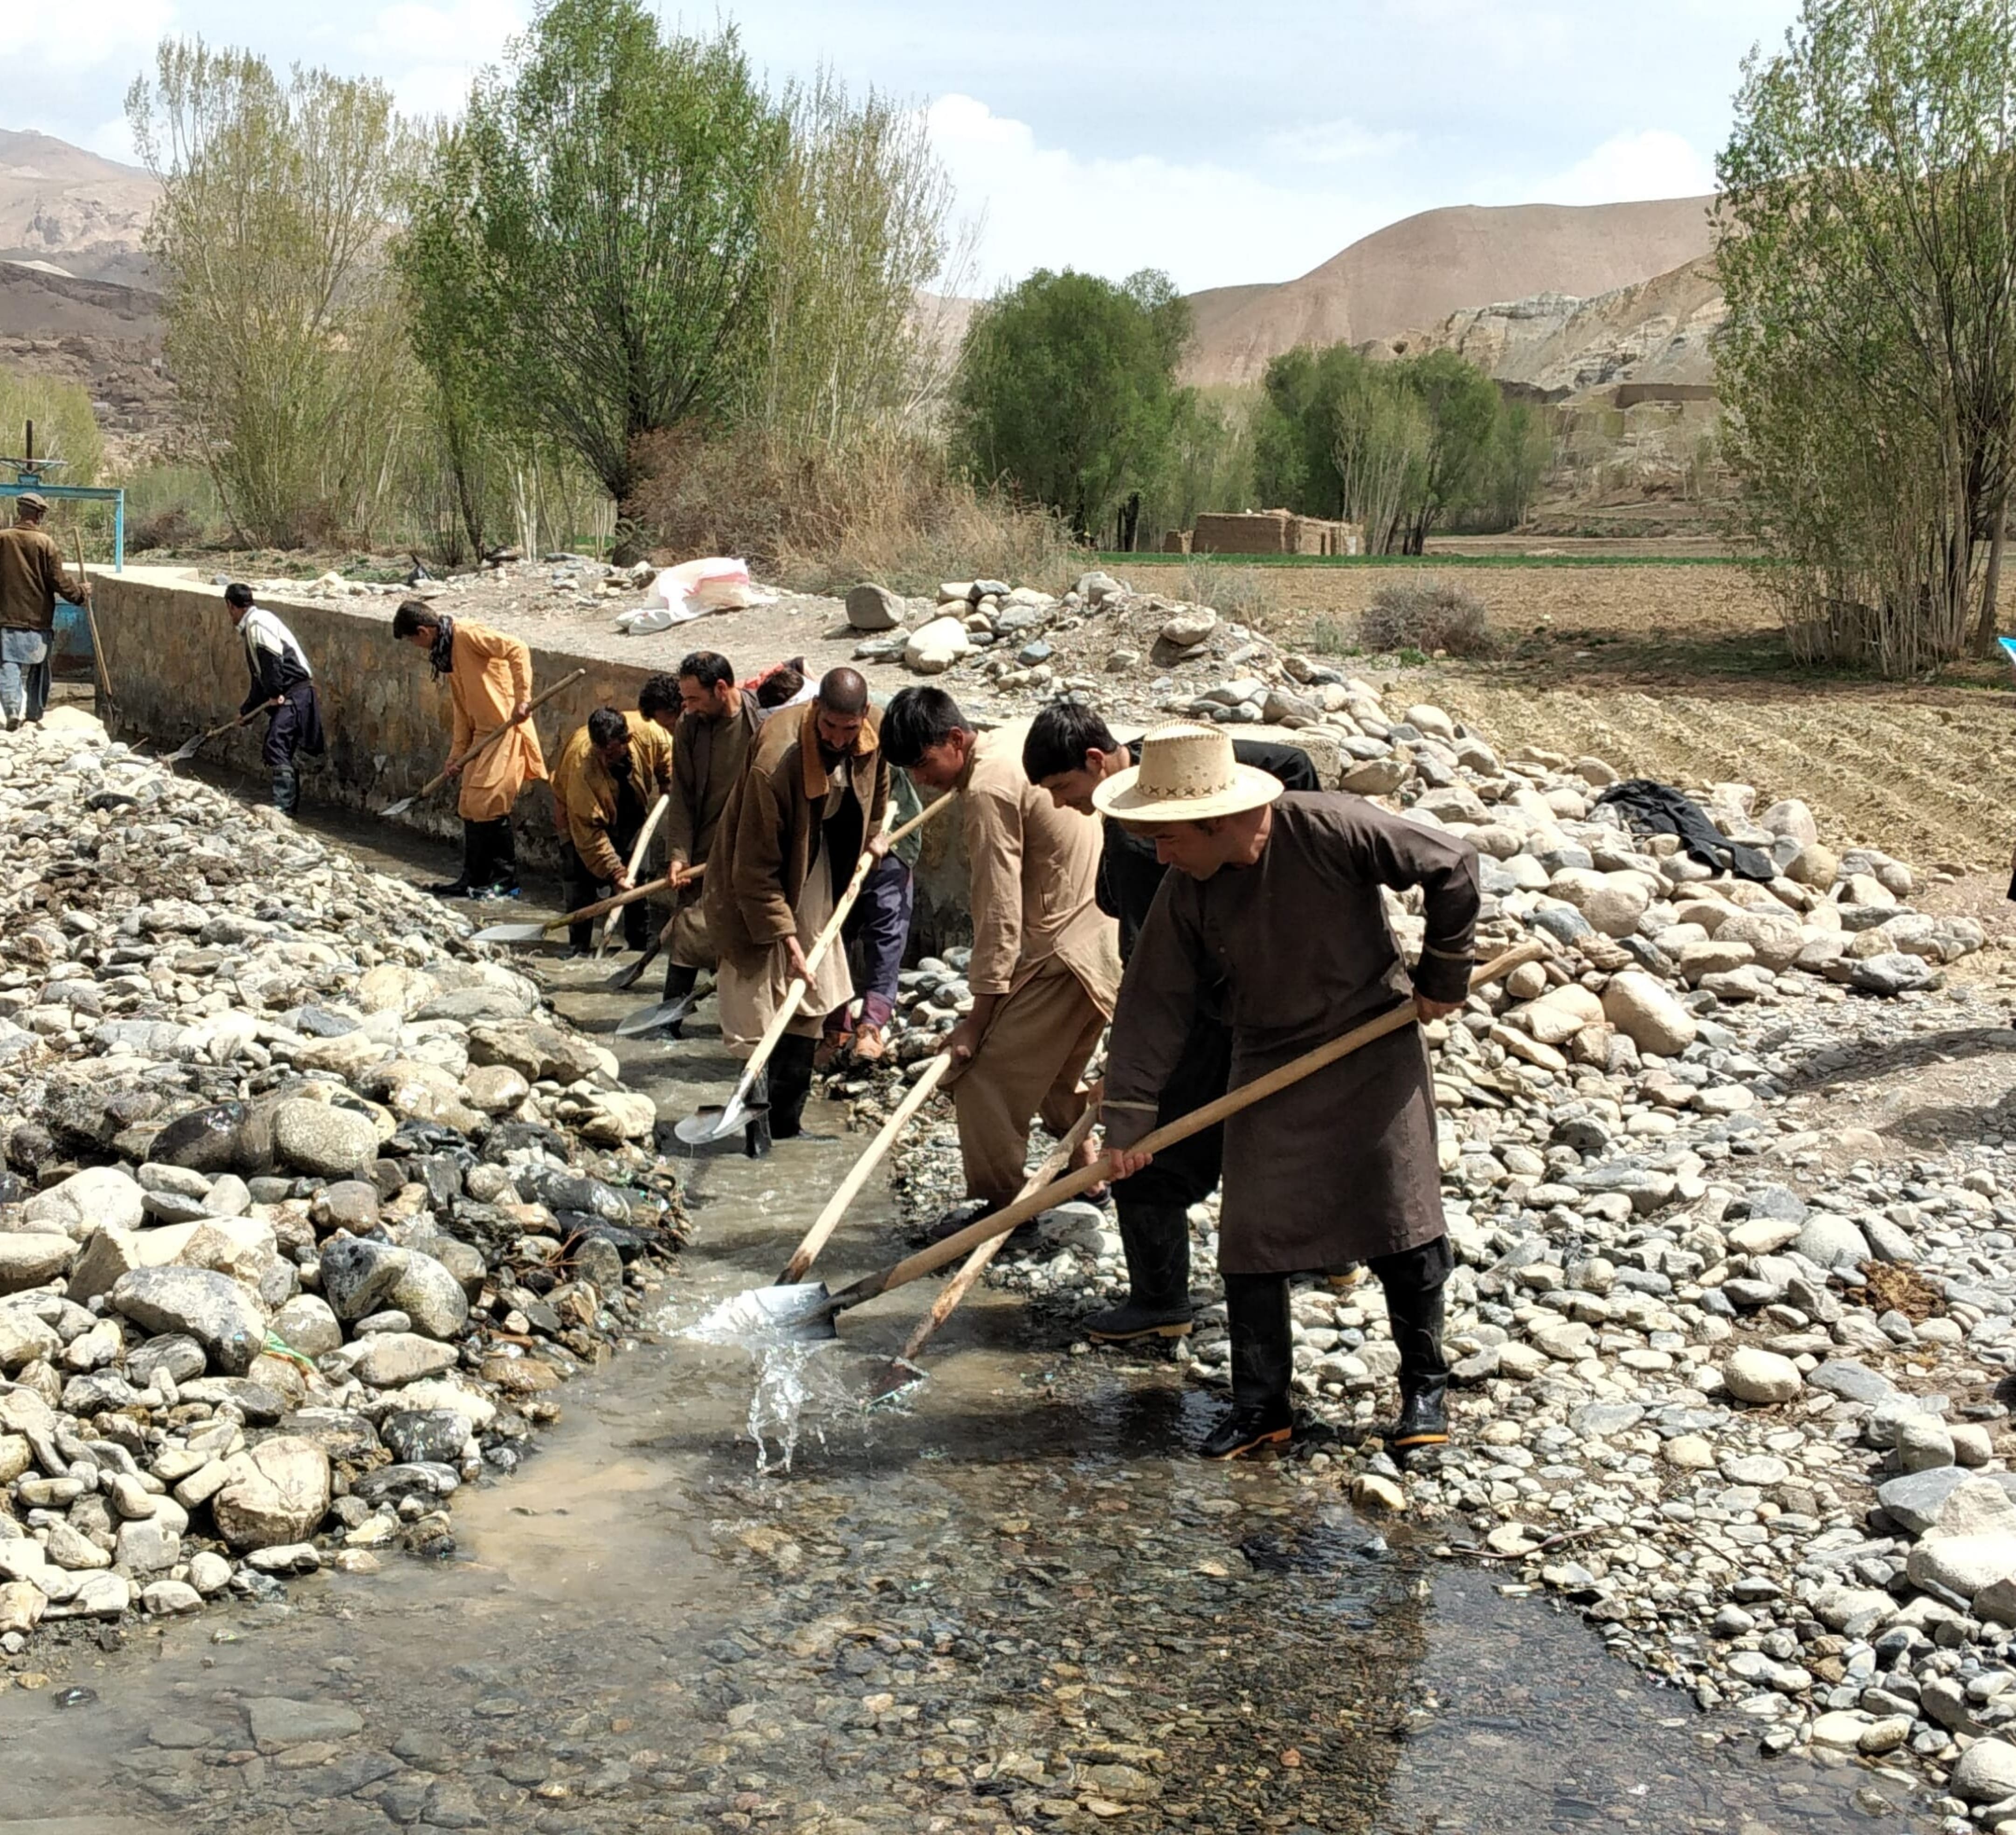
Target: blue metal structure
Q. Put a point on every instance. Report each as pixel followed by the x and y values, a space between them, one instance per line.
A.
pixel 114 494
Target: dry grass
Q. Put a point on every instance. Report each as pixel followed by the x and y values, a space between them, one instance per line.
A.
pixel 823 521
pixel 1426 614
pixel 1251 594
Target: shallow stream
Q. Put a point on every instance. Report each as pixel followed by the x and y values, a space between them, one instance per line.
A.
pixel 1015 1601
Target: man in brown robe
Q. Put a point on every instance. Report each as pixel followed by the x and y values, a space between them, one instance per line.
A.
pixel 1045 966
pixel 31 580
pixel 713 725
pixel 794 828
pixel 1277 898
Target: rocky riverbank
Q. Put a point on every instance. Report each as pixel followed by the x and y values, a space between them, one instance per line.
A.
pixel 309 1205
pixel 1733 1357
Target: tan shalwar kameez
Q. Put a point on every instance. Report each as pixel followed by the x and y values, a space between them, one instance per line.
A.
pixel 489 674
pixel 797 832
pixel 1341 1167
pixel 708 759
pixel 1039 939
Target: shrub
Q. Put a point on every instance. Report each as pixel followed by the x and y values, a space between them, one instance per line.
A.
pixel 1244 593
pixel 821 521
pixel 1426 615
pixel 166 528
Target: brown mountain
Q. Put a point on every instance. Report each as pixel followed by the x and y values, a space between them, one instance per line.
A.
pixel 71 210
pixel 1419 271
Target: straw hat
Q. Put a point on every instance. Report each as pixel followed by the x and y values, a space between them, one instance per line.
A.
pixel 1187 773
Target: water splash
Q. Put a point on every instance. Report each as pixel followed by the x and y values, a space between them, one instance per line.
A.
pixel 788 1380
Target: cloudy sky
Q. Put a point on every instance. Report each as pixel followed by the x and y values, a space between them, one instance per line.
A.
pixel 1225 143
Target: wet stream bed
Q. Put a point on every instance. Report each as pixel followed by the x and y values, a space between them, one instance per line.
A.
pixel 1012 1601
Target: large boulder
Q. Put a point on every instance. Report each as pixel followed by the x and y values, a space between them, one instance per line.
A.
pixel 276 1492
pixel 1647 1014
pixel 99 1197
pixel 870 607
pixel 535 1050
pixel 1986 1772
pixel 228 1323
pixel 323 1140
pixel 934 647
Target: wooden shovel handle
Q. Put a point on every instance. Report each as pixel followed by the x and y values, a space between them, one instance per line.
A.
pixel 496 733
pixel 601 904
pixel 823 1226
pixel 926 1260
pixel 975 1264
pixel 636 860
pixel 787 1011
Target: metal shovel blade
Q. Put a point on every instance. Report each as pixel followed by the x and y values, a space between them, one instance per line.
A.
pixel 512 933
pixel 898 1378
pixel 710 1123
pixel 801 1313
pixel 399 807
pixel 666 1012
pixel 182 754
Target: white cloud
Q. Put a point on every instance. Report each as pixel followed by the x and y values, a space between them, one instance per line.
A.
pixel 428 55
pixel 1631 167
pixel 84 35
pixel 1336 143
pixel 1206 224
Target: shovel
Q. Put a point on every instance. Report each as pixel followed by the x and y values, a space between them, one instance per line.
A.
pixel 190 748
pixel 807 1312
pixel 849 1187
pixel 636 860
pixel 538 932
pixel 481 746
pixel 711 1124
pixel 627 977
pixel 100 668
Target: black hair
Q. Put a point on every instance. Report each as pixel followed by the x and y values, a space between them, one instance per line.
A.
pixel 708 668
pixel 782 684
pixel 239 594
pixel 844 692
pixel 918 719
pixel 1060 736
pixel 660 694
pixel 413 618
pixel 606 726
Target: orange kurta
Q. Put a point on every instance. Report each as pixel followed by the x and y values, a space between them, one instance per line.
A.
pixel 489 673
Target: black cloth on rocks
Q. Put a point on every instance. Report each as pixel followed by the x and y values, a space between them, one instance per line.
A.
pixel 1654 809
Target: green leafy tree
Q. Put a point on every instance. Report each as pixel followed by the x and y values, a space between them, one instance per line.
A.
pixel 1867 242
pixel 1067 390
pixel 281 322
pixel 610 185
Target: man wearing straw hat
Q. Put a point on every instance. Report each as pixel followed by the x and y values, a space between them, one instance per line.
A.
pixel 1046 965
pixel 1276 897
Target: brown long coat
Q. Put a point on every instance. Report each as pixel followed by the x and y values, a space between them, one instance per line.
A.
pixel 586 795
pixel 31 579
pixel 1341 1166
pixel 488 674
pixel 1034 878
pixel 771 830
pixel 708 759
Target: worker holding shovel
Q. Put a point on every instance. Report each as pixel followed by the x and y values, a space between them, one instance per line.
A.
pixel 610 774
pixel 31 580
pixel 283 683
pixel 794 828
pixel 490 688
pixel 1277 895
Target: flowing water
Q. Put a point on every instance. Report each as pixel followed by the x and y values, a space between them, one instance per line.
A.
pixel 1014 1602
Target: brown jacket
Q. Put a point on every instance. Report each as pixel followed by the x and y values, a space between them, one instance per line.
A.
pixel 585 793
pixel 770 831
pixel 31 579
pixel 708 757
pixel 1034 877
pixel 1341 1167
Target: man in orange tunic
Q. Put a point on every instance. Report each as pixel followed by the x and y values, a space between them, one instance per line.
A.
pixel 490 686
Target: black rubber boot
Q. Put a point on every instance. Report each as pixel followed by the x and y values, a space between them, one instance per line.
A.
pixel 1156 1240
pixel 1263 1365
pixel 680 981
pixel 473 853
pixel 500 865
pixel 1413 1285
pixel 790 1083
pixel 287 789
pixel 756 1134
pixel 961 1216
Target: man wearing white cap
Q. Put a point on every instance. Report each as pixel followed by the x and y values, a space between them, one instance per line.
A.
pixel 1276 897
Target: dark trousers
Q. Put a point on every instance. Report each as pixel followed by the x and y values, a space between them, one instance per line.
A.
pixel 295 724
pixel 580 887
pixel 1187 1173
pixel 489 853
pixel 877 932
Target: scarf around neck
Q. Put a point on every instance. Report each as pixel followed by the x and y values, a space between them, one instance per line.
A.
pixel 440 653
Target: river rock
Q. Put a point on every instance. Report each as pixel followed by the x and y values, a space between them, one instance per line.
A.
pixel 426 1436
pixel 359 1275
pixel 99 1196
pixel 319 1139
pixel 934 646
pixel 430 1296
pixel 1986 1772
pixel 210 1307
pixel 1762 1376
pixel 1643 1010
pixel 28 1258
pixel 276 1492
pixel 870 607
pixel 389 1360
